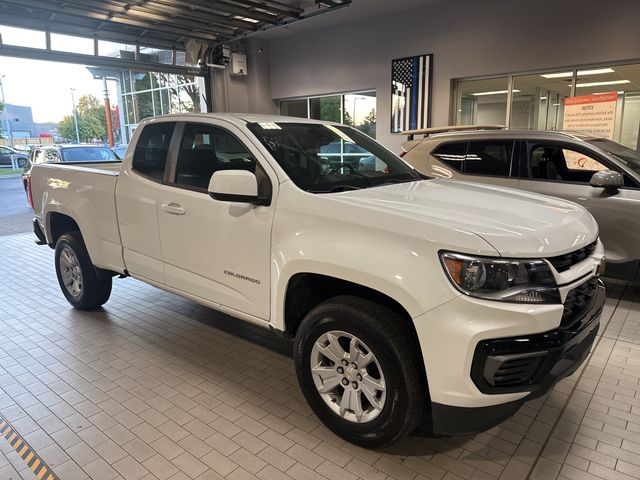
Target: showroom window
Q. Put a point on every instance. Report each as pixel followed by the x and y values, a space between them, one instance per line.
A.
pixel 146 94
pixel 536 101
pixel 355 109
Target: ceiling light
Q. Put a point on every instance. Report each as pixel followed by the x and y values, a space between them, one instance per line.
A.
pixel 496 92
pixel 597 84
pixel 246 19
pixel 594 71
pixel 557 75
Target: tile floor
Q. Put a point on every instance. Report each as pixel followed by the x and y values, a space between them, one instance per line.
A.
pixel 155 386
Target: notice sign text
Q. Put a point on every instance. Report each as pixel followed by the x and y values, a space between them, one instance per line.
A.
pixel 595 114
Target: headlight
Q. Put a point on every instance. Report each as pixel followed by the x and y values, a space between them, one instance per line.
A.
pixel 506 280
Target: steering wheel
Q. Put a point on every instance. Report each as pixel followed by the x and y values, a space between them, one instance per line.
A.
pixel 351 168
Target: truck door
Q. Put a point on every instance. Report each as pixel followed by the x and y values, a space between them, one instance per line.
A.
pixel 217 250
pixel 136 201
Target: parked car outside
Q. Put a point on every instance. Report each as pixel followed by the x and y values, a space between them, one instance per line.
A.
pixel 408 300
pixel 338 153
pixel 6 155
pixel 597 173
pixel 65 153
pixel 120 150
pixel 24 147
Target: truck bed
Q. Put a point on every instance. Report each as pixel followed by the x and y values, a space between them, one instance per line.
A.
pixel 85 192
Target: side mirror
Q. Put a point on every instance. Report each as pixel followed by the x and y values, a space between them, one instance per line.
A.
pixel 235 186
pixel 607 179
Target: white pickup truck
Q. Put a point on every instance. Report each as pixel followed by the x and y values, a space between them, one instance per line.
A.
pixel 411 301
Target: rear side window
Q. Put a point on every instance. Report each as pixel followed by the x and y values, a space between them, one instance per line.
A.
pixel 152 149
pixel 491 158
pixel 452 154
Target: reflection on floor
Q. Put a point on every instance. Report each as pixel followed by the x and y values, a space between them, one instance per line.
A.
pixel 155 386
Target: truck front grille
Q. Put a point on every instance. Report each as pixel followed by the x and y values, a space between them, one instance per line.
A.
pixel 564 262
pixel 578 301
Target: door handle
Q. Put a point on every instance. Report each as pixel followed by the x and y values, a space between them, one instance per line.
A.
pixel 173 208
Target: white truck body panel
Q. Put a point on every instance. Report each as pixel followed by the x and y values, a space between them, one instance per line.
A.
pixel 86 194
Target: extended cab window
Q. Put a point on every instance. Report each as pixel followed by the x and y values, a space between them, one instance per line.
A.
pixel 206 149
pixel 152 149
pixel 452 154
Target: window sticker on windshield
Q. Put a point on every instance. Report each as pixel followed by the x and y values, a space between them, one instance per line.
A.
pixel 269 126
pixel 340 133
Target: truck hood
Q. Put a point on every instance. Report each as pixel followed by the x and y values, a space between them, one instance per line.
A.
pixel 515 223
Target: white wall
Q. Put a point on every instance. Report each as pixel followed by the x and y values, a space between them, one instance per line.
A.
pixel 467 37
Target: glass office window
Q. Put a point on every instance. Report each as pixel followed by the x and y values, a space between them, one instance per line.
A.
pixel 326 108
pixel 482 102
pixel 294 108
pixel 356 109
pixel 359 110
pixel 538 100
pixel 625 81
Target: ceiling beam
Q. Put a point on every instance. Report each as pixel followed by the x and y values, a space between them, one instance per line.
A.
pixel 197 9
pixel 49 6
pixel 81 59
pixel 82 27
pixel 217 24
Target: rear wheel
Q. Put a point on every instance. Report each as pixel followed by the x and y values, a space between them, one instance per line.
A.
pixel 356 370
pixel 84 286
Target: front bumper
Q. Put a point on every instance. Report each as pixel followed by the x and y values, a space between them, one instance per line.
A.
pixel 465 397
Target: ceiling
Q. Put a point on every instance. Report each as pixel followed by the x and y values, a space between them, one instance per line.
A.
pixel 156 23
pixel 357 10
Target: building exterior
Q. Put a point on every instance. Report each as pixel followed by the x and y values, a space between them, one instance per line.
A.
pixel 21 119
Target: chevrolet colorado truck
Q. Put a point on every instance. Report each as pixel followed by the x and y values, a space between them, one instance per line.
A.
pixel 411 301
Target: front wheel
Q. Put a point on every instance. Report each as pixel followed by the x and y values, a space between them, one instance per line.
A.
pixel 84 286
pixel 357 372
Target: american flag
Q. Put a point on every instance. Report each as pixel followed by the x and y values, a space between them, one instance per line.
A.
pixel 410 93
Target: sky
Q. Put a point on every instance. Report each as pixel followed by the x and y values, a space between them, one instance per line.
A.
pixel 45 86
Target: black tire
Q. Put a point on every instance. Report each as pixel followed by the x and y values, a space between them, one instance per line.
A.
pixel 378 328
pixel 95 283
pixel 21 162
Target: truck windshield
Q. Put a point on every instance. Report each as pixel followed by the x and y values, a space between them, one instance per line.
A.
pixel 628 157
pixel 331 158
pixel 88 154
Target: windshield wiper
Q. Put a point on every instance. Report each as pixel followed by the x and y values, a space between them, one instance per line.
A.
pixel 397 180
pixel 335 188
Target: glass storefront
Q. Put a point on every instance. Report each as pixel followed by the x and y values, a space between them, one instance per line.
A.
pixel 146 94
pixel 356 109
pixel 537 100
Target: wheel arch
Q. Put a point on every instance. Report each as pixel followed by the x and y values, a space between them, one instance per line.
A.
pixel 59 223
pixel 306 290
